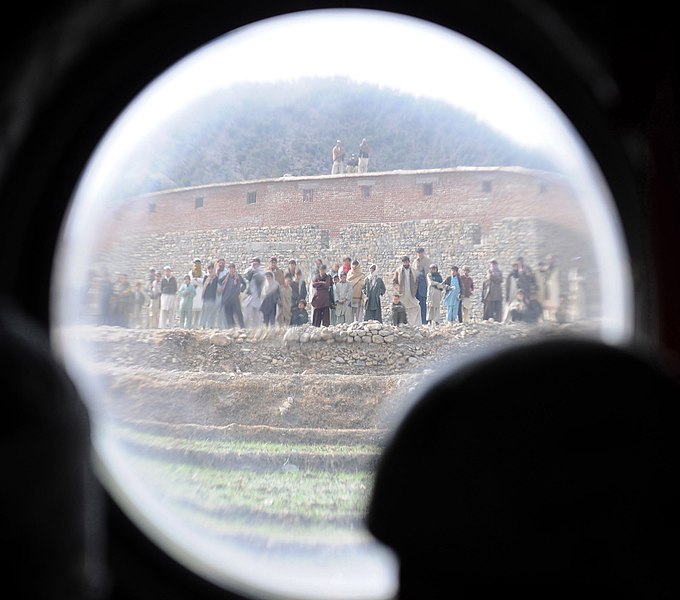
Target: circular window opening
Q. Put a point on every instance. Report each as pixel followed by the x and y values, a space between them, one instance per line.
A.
pixel 245 448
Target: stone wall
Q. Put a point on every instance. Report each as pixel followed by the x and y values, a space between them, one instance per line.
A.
pixel 470 216
pixel 446 242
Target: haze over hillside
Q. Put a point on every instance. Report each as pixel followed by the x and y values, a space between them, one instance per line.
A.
pixel 265 130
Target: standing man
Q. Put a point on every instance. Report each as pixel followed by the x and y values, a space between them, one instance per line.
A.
pixel 283 305
pixel 321 298
pixel 150 279
pixel 255 279
pixel 138 304
pixel 421 266
pixel 338 155
pixel 374 288
pixel 335 270
pixel 335 279
pixel 270 299
pixel 314 272
pixel 187 293
pixel 467 286
pixel 435 288
pixel 511 287
pixel 209 313
pixel 168 298
pixel 452 297
pixel 198 277
pixel 153 290
pixel 356 277
pixel 220 274
pixel 343 299
pixel 406 286
pixel 492 293
pixel 296 284
pixel 123 301
pixel 302 286
pixel 526 280
pixel 363 156
pixel 234 284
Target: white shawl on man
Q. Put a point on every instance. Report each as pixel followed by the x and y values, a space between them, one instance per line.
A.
pixel 406 284
pixel 256 279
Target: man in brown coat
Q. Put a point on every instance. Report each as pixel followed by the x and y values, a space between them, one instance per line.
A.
pixel 321 298
pixel 357 277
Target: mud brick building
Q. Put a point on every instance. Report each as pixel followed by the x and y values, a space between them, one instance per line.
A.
pixel 463 215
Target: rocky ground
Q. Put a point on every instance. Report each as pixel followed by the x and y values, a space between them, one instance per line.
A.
pixel 308 382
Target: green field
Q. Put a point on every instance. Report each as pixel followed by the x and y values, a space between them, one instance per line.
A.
pixel 283 493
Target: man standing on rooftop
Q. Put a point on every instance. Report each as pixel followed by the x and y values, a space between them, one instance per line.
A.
pixel 363 156
pixel 338 154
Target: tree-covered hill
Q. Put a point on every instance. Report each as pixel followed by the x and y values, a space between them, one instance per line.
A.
pixel 263 130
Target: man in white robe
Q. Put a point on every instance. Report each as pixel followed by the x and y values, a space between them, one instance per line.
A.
pixel 406 285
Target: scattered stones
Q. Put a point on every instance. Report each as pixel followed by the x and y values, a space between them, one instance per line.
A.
pixel 219 339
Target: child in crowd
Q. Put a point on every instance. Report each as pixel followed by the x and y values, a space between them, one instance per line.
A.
pixel 398 311
pixel 299 315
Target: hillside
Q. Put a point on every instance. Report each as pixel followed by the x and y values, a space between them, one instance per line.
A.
pixel 265 130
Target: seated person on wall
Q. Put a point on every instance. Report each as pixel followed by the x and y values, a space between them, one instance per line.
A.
pixel 398 311
pixel 518 308
pixel 352 163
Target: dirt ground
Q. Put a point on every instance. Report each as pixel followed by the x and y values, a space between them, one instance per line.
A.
pixel 190 378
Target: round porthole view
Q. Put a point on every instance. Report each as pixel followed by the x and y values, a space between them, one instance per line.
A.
pixel 282 247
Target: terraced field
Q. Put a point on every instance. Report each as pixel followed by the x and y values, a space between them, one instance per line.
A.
pixel 264 442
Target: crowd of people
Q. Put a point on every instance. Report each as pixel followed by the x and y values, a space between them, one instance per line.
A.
pixel 525 294
pixel 219 296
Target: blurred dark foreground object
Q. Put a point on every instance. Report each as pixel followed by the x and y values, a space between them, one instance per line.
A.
pixel 52 526
pixel 543 471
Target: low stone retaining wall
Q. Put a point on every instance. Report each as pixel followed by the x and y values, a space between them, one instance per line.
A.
pixel 368 347
pixel 358 376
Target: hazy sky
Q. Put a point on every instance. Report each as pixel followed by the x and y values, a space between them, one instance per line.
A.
pixel 375 47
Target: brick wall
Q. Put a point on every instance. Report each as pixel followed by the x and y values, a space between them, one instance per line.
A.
pixel 475 195
pixel 461 216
